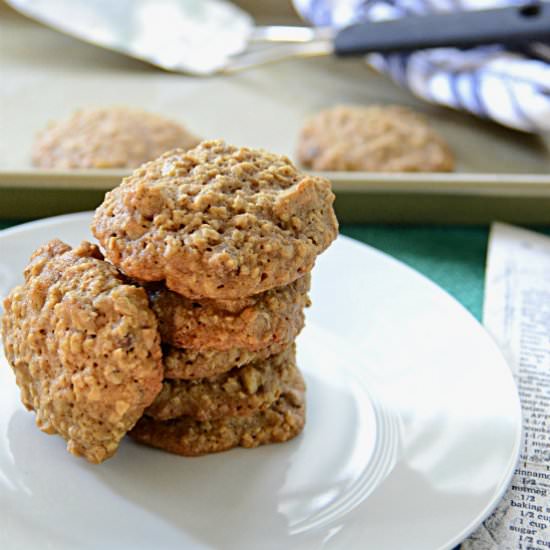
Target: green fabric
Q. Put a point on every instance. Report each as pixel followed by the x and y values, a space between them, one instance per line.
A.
pixel 453 257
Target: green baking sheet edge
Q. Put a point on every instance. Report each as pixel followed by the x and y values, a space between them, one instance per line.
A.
pixel 27 203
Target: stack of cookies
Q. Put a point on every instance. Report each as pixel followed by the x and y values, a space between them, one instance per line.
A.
pixel 182 333
pixel 230 371
pixel 224 239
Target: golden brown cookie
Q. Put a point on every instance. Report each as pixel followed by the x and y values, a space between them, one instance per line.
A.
pixel 377 138
pixel 217 221
pixel 189 437
pixel 84 347
pixel 239 392
pixel 189 364
pixel 111 137
pixel 251 323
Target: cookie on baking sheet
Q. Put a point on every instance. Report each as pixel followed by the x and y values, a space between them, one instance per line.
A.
pixel 217 221
pixel 189 437
pixel 109 137
pixel 251 323
pixel 84 347
pixel 239 392
pixel 190 364
pixel 377 138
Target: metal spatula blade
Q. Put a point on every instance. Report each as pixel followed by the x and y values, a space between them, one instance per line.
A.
pixel 194 36
pixel 208 36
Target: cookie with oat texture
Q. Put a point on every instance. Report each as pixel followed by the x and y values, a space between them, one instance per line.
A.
pixel 242 391
pixel 251 323
pixel 84 347
pixel 190 364
pixel 108 137
pixel 187 436
pixel 377 138
pixel 217 221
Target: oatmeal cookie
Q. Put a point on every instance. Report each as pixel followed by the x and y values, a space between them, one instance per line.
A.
pixel 189 437
pixel 250 323
pixel 189 364
pixel 372 139
pixel 240 392
pixel 217 221
pixel 84 347
pixel 112 137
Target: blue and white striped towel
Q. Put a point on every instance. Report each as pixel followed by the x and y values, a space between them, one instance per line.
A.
pixel 510 86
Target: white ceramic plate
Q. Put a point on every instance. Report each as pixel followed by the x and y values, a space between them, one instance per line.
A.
pixel 412 434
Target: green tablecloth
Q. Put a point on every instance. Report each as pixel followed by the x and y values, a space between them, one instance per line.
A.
pixel 453 257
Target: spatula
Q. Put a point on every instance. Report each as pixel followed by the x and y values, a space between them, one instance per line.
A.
pixel 204 37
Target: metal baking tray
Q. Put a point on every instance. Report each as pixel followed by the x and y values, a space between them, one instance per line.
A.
pixel 45 76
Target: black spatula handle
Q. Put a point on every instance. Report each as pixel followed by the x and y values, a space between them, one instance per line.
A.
pixel 458 29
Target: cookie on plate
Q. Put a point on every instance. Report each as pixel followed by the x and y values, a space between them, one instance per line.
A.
pixel 377 138
pixel 250 323
pixel 109 137
pixel 217 221
pixel 84 347
pixel 190 437
pixel 190 364
pixel 240 392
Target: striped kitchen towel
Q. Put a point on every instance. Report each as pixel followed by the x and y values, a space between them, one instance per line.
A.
pixel 510 86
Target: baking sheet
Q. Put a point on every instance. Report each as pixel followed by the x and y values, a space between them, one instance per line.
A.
pixel 46 75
